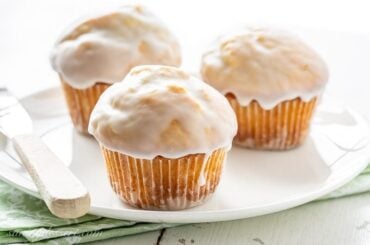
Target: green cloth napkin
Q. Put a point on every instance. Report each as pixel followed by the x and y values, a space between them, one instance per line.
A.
pixel 25 219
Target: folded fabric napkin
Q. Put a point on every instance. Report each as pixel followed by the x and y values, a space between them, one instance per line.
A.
pixel 24 218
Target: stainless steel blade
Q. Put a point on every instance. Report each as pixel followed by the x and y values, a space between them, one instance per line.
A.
pixel 14 120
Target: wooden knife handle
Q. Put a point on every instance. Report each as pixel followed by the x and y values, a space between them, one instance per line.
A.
pixel 62 192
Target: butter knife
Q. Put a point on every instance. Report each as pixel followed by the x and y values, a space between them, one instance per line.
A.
pixel 63 193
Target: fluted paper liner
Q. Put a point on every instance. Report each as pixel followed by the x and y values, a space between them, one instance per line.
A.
pixel 283 127
pixel 80 103
pixel 162 183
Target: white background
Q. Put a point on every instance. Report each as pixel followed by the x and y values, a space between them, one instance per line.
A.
pixel 339 30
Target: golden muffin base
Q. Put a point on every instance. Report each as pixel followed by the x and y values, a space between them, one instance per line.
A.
pixel 283 127
pixel 80 103
pixel 162 183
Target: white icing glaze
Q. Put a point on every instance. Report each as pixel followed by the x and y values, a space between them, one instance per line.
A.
pixel 264 64
pixel 162 111
pixel 103 48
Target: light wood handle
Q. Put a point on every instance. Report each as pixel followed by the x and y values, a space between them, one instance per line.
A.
pixel 62 192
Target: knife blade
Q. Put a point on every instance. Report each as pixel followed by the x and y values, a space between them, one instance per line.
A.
pixel 14 119
pixel 63 193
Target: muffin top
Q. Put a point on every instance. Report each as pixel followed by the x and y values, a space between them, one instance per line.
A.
pixel 162 111
pixel 104 47
pixel 264 64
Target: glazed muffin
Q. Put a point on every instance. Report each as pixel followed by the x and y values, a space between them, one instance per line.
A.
pixel 164 135
pixel 272 80
pixel 100 50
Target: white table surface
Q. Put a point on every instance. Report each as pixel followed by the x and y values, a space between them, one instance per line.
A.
pixel 28 30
